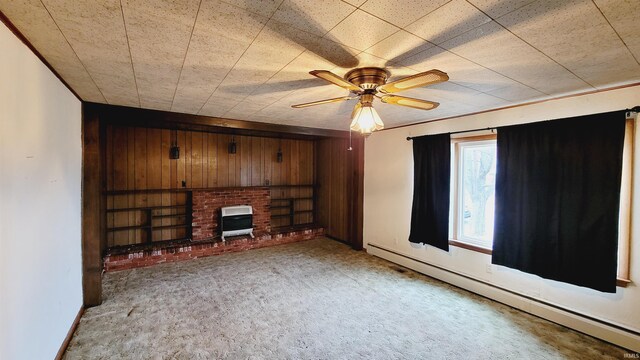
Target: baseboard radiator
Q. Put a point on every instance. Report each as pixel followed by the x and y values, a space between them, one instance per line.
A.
pixel 236 220
pixel 607 331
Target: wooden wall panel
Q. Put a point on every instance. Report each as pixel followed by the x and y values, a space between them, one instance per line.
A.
pixel 93 203
pixel 223 161
pixel 138 159
pixel 339 179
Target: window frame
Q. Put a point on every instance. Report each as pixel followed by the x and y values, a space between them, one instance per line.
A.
pixel 455 203
pixel 626 191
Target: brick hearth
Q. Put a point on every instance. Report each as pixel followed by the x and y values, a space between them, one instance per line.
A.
pixel 205 240
pixel 207 204
pixel 145 255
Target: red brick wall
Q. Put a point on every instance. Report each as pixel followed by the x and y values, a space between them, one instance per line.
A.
pixel 207 204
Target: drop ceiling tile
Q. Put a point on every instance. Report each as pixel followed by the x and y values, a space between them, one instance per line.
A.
pixel 361 30
pixel 448 21
pixel 331 52
pixel 517 93
pixel 514 59
pixel 260 7
pixel 308 15
pixel 243 110
pixel 34 22
pixel 399 46
pixel 482 79
pixel 294 76
pixel 582 39
pixel 401 13
pixel 455 92
pixel 460 70
pixel 96 32
pixel 221 34
pixel 618 12
pixel 272 50
pixel 217 106
pixel 365 59
pixel 497 8
pixel 356 2
pixel 159 33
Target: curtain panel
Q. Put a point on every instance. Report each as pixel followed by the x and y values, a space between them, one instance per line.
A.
pixel 558 197
pixel 431 184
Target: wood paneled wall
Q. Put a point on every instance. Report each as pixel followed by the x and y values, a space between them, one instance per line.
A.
pixel 340 185
pixel 138 159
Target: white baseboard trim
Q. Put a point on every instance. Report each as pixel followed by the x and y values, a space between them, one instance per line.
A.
pixel 600 329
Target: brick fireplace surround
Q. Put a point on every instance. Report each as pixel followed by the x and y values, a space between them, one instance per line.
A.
pixel 207 203
pixel 206 242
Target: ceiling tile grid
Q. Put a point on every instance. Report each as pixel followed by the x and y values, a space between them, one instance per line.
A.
pixel 97 34
pixel 158 46
pixel 582 41
pixel 447 22
pixel 513 58
pixel 618 14
pixel 249 59
pixel 221 34
pixel 402 13
pixel 32 19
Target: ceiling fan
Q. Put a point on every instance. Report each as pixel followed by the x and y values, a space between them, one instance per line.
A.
pixel 367 83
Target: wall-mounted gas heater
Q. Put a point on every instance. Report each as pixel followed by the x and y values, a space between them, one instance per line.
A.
pixel 236 220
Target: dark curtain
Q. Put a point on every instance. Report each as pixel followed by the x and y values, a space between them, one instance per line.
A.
pixel 431 173
pixel 557 199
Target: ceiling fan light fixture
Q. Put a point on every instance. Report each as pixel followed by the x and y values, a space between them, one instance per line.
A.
pixel 366 120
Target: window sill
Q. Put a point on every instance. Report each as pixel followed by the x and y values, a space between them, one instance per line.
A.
pixel 469 246
pixel 623 283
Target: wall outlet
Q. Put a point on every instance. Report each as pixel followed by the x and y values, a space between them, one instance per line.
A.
pixel 489 269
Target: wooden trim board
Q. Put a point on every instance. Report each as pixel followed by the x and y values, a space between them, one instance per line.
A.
pixel 72 330
pixel 137 117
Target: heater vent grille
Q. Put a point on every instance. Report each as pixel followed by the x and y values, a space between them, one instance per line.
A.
pixel 236 220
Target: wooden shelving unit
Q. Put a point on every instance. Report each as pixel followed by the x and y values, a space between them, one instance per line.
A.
pixel 293 205
pixel 146 218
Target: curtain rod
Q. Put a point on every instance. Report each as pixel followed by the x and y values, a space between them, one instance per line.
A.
pixel 635 109
pixel 459 132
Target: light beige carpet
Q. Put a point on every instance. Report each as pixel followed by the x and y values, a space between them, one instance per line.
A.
pixel 311 300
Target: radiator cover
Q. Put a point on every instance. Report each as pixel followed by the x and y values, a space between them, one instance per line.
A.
pixel 236 220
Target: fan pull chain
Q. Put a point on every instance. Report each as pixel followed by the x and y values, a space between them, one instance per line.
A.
pixel 349 148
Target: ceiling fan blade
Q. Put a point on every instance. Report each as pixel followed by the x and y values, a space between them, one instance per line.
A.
pixel 418 80
pixel 410 102
pixel 335 79
pixel 320 102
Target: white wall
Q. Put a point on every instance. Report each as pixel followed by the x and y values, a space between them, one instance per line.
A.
pixel 40 174
pixel 387 212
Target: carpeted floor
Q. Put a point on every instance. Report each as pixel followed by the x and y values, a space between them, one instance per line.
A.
pixel 311 300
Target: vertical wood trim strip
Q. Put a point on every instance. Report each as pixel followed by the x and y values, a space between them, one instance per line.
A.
pixel 91 221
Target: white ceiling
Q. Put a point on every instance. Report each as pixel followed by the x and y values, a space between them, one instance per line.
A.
pixel 249 59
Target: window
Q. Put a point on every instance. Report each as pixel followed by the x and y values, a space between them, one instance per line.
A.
pixel 473 172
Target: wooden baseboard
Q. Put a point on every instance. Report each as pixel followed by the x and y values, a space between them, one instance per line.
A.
pixel 72 330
